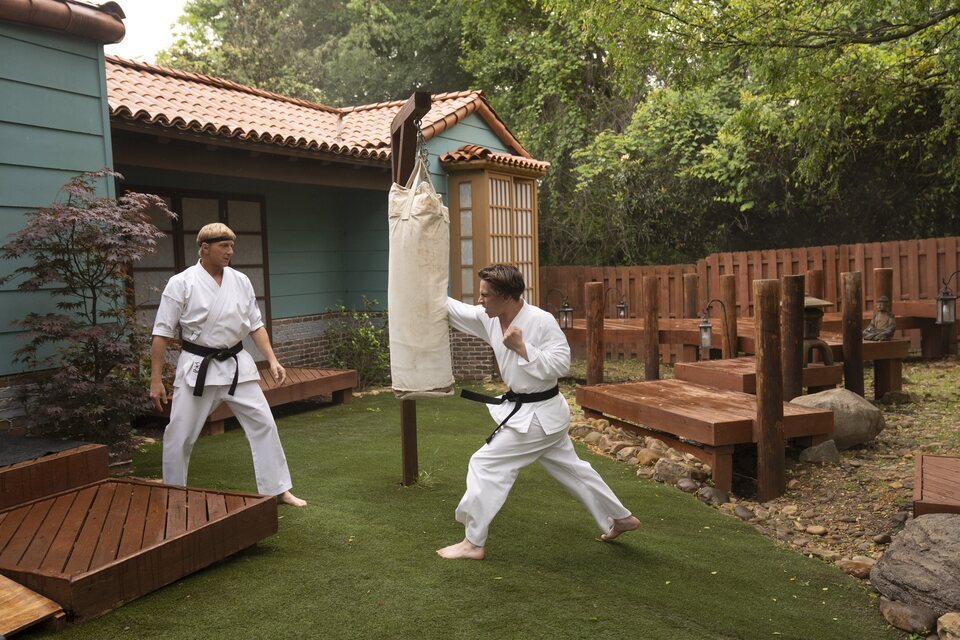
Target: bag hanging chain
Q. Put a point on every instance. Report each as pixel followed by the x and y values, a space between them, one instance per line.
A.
pixel 422 153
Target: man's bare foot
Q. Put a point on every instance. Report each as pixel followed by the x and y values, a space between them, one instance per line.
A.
pixel 288 498
pixel 621 525
pixel 464 550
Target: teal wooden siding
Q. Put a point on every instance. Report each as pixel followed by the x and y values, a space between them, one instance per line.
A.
pixel 53 126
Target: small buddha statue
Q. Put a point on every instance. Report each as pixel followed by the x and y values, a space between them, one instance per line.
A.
pixel 883 324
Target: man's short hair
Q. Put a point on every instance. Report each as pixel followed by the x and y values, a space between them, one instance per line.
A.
pixel 504 279
pixel 214 232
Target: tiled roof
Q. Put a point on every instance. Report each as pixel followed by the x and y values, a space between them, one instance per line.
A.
pixel 103 23
pixel 475 153
pixel 174 99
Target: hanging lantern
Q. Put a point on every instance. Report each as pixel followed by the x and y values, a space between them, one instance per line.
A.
pixel 706 333
pixel 622 309
pixel 565 315
pixel 947 302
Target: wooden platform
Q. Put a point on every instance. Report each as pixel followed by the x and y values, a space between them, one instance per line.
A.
pixel 52 473
pixel 740 374
pixel 301 383
pixel 21 608
pixel 92 548
pixel 697 419
pixel 936 484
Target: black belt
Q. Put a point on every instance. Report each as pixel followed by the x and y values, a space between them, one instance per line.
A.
pixel 510 396
pixel 208 354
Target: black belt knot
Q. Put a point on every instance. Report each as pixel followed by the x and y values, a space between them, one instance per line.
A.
pixel 510 396
pixel 210 353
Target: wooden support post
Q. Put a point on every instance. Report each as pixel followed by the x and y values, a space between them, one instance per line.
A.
pixel 651 328
pixel 883 285
pixel 691 285
pixel 403 146
pixel 815 283
pixel 791 329
pixel 728 295
pixel 853 331
pixel 768 426
pixel 593 294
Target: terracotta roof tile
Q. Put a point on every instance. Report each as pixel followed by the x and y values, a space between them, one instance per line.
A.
pixel 476 153
pixel 204 104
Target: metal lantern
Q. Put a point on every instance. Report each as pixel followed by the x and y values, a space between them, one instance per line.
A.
pixel 946 306
pixel 565 315
pixel 622 309
pixel 706 333
pixel 621 306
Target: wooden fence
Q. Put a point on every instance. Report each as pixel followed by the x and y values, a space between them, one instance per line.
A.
pixel 918 268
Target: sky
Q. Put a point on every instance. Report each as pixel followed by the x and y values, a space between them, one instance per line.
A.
pixel 149 28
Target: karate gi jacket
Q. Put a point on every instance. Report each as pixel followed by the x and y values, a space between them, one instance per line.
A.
pixel 210 315
pixel 549 358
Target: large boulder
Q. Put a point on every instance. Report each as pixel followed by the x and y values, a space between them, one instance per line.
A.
pixel 922 564
pixel 855 420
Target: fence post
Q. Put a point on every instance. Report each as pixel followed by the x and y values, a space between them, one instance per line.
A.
pixel 791 325
pixel 691 299
pixel 593 294
pixel 815 283
pixel 769 421
pixel 651 328
pixel 853 331
pixel 728 295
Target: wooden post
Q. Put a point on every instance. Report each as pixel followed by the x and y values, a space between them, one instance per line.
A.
pixel 791 328
pixel 853 331
pixel 815 283
pixel 768 426
pixel 403 146
pixel 651 328
pixel 593 294
pixel 728 295
pixel 883 285
pixel 691 285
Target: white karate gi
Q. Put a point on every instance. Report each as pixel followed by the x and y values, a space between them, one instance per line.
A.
pixel 537 432
pixel 217 316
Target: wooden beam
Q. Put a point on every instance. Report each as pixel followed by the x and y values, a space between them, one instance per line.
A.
pixel 728 295
pixel 853 331
pixel 691 284
pixel 403 134
pixel 651 333
pixel 593 295
pixel 768 425
pixel 791 328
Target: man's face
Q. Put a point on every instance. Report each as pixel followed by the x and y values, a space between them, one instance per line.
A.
pixel 219 254
pixel 492 303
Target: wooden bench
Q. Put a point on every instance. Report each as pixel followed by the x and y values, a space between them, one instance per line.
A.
pixel 301 383
pixel 740 374
pixel 703 421
pixel 936 484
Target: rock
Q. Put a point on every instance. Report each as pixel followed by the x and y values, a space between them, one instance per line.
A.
pixel 855 419
pixel 580 430
pixel 742 512
pixel 712 495
pixel 881 538
pixel 687 485
pixel 897 397
pixel 799 526
pixel 857 568
pixel 908 617
pixel 594 437
pixel 626 453
pixel 823 452
pixel 816 530
pixel 789 510
pixel 647 456
pixel 900 517
pixel 922 565
pixel 656 445
pixel 644 472
pixel 824 554
pixel 793 484
pixel 948 626
pixel 670 472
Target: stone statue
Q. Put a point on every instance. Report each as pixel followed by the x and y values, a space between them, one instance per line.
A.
pixel 883 324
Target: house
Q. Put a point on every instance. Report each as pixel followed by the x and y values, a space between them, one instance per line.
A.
pixel 303 184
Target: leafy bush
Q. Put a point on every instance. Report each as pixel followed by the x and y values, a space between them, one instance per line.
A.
pixel 360 340
pixel 79 251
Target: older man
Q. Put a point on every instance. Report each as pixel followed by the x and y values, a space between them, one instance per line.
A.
pixel 532 418
pixel 215 308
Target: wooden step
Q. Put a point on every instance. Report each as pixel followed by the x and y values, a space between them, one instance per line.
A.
pixel 936 485
pixel 740 374
pixel 21 608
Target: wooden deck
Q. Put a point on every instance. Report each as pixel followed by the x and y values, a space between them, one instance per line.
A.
pixel 301 383
pixel 95 547
pixel 21 608
pixel 52 473
pixel 936 485
pixel 740 374
pixel 701 420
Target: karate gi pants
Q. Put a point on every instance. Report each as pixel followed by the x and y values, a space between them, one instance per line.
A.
pixel 187 415
pixel 494 468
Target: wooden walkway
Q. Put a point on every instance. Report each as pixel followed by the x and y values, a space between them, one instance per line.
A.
pixel 740 374
pixel 936 485
pixel 95 547
pixel 21 608
pixel 704 421
pixel 301 383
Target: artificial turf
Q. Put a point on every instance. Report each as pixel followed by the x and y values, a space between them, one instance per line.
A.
pixel 359 562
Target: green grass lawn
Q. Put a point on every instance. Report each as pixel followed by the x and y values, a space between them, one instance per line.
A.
pixel 359 562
